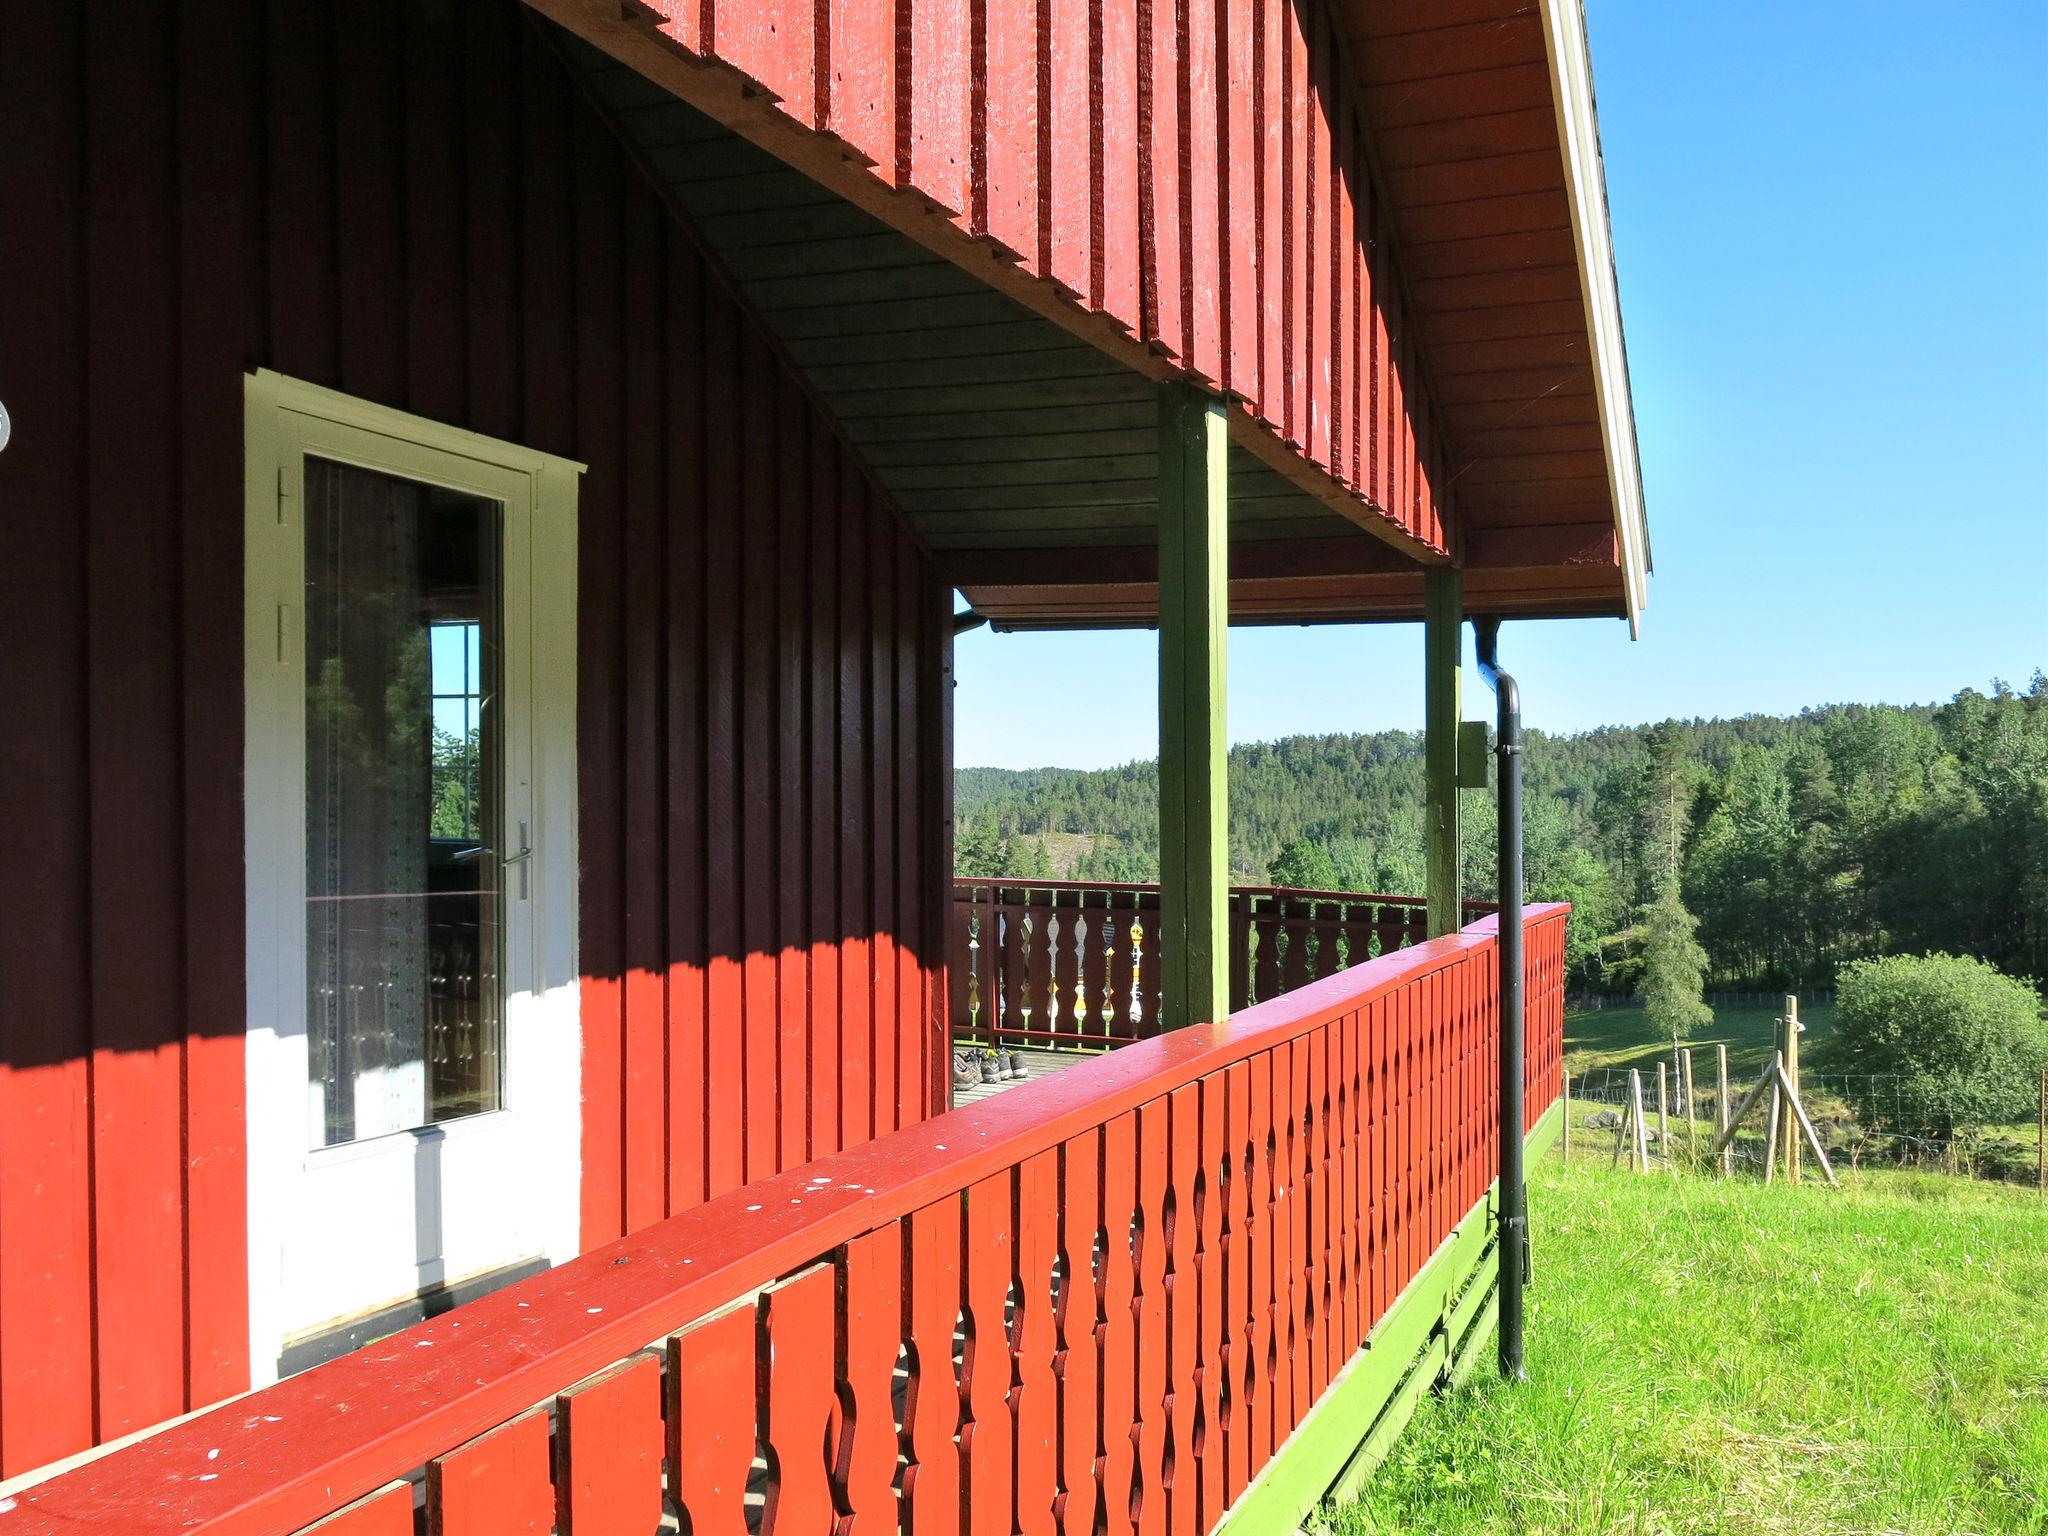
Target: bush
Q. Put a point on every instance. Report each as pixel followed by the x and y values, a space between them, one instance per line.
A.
pixel 1968 1040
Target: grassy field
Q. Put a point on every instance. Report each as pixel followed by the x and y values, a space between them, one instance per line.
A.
pixel 1622 1037
pixel 1720 1357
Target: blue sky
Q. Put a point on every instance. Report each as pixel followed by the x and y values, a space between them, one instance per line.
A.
pixel 1831 229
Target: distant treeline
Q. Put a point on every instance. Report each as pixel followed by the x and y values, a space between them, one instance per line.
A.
pixel 1800 842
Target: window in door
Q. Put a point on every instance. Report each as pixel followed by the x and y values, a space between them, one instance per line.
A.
pixel 404 820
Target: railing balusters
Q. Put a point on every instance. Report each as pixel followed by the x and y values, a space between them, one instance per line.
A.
pixel 1034 1390
pixel 870 1339
pixel 1109 1331
pixel 798 1327
pixel 1078 1314
pixel 1117 1331
pixel 711 1419
pixel 987 1435
pixel 608 1448
pixel 931 1414
pixel 1213 1188
pixel 1258 1365
pixel 1148 1309
pixel 498 1484
pixel 1181 1225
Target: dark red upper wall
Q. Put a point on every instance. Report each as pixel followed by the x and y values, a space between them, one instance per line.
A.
pixel 1192 177
pixel 414 207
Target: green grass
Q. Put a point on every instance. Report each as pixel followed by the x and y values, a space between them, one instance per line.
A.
pixel 1623 1037
pixel 1709 1356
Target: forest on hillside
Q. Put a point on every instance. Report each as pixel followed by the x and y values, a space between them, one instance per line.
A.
pixel 1799 842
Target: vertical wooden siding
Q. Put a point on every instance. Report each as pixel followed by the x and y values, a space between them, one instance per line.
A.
pixel 410 203
pixel 1194 171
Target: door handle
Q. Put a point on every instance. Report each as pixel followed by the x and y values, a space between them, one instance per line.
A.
pixel 519 859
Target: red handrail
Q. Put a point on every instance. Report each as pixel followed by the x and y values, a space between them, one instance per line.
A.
pixel 1292 1168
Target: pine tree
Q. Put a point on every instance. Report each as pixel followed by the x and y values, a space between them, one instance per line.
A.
pixel 1303 865
pixel 1674 969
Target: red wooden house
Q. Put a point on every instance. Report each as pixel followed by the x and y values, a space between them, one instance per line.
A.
pixel 482 498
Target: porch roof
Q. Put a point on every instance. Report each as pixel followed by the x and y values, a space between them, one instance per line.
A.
pixel 1013 420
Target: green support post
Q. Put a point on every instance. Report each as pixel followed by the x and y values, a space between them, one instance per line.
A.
pixel 1443 658
pixel 1194 621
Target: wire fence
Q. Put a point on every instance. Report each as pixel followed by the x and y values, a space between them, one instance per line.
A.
pixel 1862 1119
pixel 1597 1002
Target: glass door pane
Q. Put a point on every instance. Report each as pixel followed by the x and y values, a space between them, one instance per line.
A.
pixel 404 790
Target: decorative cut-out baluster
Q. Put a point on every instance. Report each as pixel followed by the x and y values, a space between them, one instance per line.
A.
pixel 999 974
pixel 1025 931
pixel 711 1423
pixel 1180 1474
pixel 1052 967
pixel 1148 1310
pixel 1107 1012
pixel 986 1446
pixel 870 1338
pixel 499 1484
pixel 1137 999
pixel 1078 1363
pixel 1083 1003
pixel 1033 1399
pixel 974 972
pixel 797 1320
pixel 1118 1330
pixel 931 1410
pixel 608 1449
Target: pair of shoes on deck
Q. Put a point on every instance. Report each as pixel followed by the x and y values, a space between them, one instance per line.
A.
pixel 972 1066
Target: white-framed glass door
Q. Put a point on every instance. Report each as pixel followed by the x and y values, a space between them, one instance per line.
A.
pixel 410 763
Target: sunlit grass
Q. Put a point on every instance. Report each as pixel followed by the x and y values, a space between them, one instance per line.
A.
pixel 1624 1037
pixel 1709 1356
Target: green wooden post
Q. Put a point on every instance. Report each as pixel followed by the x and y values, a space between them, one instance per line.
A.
pixel 1443 658
pixel 1194 618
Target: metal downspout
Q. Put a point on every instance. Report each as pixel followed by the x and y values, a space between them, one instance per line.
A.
pixel 1514 1195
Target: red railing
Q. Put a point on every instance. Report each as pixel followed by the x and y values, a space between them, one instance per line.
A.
pixel 1076 962
pixel 1097 1302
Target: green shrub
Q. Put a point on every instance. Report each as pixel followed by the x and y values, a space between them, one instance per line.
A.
pixel 1968 1040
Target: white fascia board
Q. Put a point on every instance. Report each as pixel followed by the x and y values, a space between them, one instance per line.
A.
pixel 1578 131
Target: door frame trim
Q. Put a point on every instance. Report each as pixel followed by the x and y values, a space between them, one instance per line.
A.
pixel 276 407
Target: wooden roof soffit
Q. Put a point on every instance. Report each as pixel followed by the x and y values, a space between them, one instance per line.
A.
pixel 637 33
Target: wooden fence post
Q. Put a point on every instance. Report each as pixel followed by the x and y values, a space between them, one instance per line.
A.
pixel 1663 1117
pixel 1635 1103
pixel 2041 1138
pixel 1777 1119
pixel 1692 1135
pixel 1721 1108
pixel 1788 1130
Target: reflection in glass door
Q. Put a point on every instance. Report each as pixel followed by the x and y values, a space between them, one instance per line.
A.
pixel 404 812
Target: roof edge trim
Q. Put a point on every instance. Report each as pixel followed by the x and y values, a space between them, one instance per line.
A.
pixel 1578 127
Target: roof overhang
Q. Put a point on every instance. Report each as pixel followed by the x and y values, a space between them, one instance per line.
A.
pixel 1483 120
pixel 1011 425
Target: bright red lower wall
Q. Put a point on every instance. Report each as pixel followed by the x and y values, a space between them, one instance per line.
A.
pixel 418 208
